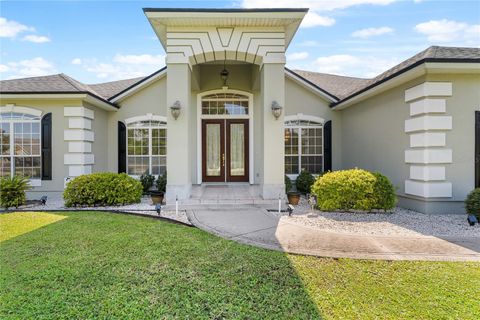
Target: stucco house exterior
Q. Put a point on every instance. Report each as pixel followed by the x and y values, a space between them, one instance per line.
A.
pixel 225 110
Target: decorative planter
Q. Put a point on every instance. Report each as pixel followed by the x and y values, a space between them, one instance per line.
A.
pixel 293 198
pixel 157 197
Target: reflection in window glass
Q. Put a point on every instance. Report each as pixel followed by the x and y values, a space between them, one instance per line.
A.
pixel 303 147
pixel 147 147
pixel 20 145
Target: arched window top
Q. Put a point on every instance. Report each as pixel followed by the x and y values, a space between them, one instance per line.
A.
pixel 301 120
pixel 148 120
pixel 225 96
pixel 17 116
pixel 16 113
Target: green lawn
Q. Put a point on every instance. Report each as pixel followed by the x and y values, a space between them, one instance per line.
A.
pixel 102 265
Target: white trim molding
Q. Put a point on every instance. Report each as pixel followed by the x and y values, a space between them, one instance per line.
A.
pixel 304 117
pixel 148 116
pixel 20 109
pixel 428 189
pixel 78 112
pixel 429 89
pixel 427 127
pixel 80 138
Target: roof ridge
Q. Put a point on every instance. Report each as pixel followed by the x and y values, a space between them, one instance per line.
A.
pixel 79 85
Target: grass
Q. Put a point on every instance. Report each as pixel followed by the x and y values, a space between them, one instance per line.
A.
pixel 101 265
pixel 12 225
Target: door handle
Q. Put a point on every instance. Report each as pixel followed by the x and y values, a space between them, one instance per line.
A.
pixel 223 159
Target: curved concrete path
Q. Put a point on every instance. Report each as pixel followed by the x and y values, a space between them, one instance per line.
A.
pixel 258 227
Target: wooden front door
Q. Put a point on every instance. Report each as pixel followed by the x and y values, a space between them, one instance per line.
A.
pixel 225 150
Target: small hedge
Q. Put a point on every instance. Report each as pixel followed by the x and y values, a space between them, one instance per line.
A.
pixel 161 182
pixel 102 189
pixel 472 203
pixel 13 191
pixel 354 189
pixel 304 182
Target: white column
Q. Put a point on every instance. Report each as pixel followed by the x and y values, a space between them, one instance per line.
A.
pixel 273 89
pixel 428 126
pixel 179 181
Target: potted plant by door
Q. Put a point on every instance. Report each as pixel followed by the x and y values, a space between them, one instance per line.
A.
pixel 292 196
pixel 161 184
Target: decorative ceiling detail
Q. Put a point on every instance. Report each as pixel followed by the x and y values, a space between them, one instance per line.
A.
pixel 211 44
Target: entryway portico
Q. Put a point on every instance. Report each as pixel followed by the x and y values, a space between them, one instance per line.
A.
pixel 239 138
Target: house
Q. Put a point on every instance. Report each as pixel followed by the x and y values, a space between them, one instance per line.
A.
pixel 225 110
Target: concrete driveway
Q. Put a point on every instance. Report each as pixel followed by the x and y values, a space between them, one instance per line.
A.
pixel 258 227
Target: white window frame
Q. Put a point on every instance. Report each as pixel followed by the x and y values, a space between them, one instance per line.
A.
pixel 314 119
pixel 31 112
pixel 147 117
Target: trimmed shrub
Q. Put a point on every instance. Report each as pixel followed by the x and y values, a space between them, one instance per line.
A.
pixel 13 191
pixel 354 189
pixel 147 181
pixel 472 203
pixel 383 193
pixel 288 184
pixel 304 182
pixel 102 189
pixel 162 182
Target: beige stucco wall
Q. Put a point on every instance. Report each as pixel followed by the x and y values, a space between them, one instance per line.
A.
pixel 99 146
pixel 463 103
pixel 373 135
pixel 374 138
pixel 150 99
pixel 301 100
pixel 59 146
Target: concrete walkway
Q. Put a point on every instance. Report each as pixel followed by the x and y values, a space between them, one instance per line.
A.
pixel 258 227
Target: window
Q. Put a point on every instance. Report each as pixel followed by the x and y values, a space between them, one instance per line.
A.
pixel 225 104
pixel 20 145
pixel 147 147
pixel 303 146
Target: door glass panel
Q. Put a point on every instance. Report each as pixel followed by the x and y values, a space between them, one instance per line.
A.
pixel 237 149
pixel 213 149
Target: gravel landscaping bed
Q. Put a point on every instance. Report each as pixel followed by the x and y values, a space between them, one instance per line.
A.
pixel 400 222
pixel 145 207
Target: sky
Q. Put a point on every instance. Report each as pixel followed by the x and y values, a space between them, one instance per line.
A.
pixel 99 41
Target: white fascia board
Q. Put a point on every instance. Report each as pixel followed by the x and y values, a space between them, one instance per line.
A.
pixel 453 67
pixel 99 103
pixel 40 96
pixel 308 86
pixel 139 86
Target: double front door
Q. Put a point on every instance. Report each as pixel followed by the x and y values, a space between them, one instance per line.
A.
pixel 225 150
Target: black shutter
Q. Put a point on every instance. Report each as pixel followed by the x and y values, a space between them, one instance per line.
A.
pixel 47 147
pixel 477 149
pixel 327 146
pixel 122 147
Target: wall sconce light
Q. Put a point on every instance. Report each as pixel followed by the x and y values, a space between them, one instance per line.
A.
pixel 175 109
pixel 276 110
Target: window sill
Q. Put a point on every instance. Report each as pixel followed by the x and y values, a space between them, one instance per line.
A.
pixel 35 182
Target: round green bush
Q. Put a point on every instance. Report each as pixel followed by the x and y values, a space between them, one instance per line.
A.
pixel 472 203
pixel 354 189
pixel 304 182
pixel 102 189
pixel 13 191
pixel 162 182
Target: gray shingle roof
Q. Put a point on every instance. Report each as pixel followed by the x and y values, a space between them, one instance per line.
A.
pixel 344 87
pixel 339 86
pixel 109 89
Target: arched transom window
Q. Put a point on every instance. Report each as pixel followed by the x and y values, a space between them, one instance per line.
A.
pixel 303 146
pixel 225 104
pixel 147 147
pixel 20 145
